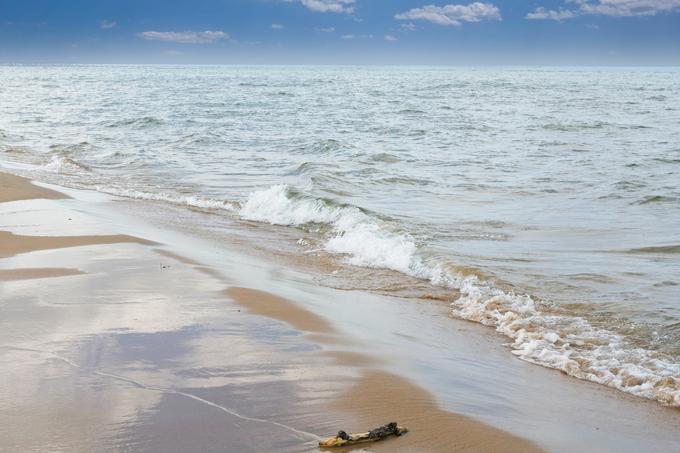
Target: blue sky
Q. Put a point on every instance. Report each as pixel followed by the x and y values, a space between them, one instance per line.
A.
pixel 451 32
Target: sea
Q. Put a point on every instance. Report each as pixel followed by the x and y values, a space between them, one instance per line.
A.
pixel 543 203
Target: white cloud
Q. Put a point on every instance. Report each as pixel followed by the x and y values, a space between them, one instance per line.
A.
pixel 325 30
pixel 613 8
pixel 185 37
pixel 409 27
pixel 391 38
pixel 352 36
pixel 449 15
pixel 106 24
pixel 330 6
pixel 627 7
pixel 541 13
pixel 277 27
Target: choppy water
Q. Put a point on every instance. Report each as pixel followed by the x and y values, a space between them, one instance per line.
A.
pixel 546 202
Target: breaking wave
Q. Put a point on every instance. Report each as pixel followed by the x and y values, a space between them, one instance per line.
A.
pixel 363 239
pixel 62 164
pixel 539 333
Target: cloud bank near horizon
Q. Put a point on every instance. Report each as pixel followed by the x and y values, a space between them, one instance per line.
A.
pixel 610 8
pixel 427 31
pixel 185 37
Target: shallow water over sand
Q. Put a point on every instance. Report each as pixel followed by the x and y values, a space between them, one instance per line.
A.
pixel 544 203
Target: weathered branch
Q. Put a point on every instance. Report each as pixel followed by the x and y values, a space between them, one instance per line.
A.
pixel 342 439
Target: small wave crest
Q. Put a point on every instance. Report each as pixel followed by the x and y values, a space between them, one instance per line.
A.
pixel 64 165
pixel 138 123
pixel 656 199
pixel 192 201
pixel 661 249
pixel 328 146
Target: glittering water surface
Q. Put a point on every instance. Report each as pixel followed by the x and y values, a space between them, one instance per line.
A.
pixel 546 202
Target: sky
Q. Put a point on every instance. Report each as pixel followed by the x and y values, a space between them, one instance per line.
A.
pixel 397 32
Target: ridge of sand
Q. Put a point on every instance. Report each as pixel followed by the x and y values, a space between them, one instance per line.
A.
pixel 15 188
pixel 14 244
pixel 272 306
pixel 36 272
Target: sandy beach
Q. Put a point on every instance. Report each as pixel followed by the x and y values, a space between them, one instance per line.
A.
pixel 340 225
pixel 112 342
pixel 144 338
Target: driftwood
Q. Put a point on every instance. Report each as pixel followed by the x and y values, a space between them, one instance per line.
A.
pixel 342 439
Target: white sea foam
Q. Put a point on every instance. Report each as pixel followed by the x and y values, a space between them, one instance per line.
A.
pixel 554 340
pixel 274 206
pixel 186 200
pixel 63 164
pixel 360 237
pixel 567 343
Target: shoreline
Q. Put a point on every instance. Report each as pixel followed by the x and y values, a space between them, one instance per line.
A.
pixel 97 275
pixel 576 343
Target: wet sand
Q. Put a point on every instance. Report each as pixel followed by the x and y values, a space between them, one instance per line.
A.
pixel 273 306
pixel 379 397
pixel 130 349
pixel 36 272
pixel 13 188
pixel 12 244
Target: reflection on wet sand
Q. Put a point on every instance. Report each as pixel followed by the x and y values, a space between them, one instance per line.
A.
pixel 378 397
pixel 122 352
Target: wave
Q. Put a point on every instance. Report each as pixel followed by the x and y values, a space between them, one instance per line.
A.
pixel 64 165
pixel 385 157
pixel 140 123
pixel 575 126
pixel 309 168
pixel 569 343
pixel 411 112
pixel 667 160
pixel 661 249
pixel 192 201
pixel 539 333
pixel 328 146
pixel 656 199
pixel 363 239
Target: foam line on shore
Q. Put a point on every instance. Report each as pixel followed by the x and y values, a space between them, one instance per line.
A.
pixel 539 335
